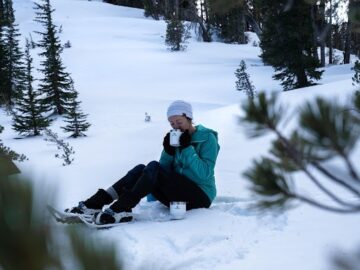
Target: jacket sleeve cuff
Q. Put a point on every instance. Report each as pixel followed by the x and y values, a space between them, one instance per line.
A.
pixel 166 158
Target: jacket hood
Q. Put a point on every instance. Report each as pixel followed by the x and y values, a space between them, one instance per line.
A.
pixel 202 133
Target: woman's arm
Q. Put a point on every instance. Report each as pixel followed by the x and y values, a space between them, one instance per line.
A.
pixel 166 161
pixel 201 165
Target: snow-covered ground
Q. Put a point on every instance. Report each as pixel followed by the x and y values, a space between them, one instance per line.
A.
pixel 122 69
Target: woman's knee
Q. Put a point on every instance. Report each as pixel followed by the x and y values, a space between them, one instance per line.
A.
pixel 151 170
pixel 152 165
pixel 138 169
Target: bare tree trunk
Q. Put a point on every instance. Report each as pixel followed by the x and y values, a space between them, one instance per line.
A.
pixel 331 36
pixel 347 49
pixel 154 9
pixel 323 34
pixel 166 9
pixel 301 77
pixel 176 8
pixel 206 14
pixel 250 19
pixel 242 26
pixel 316 31
pixel 205 33
pixel 347 43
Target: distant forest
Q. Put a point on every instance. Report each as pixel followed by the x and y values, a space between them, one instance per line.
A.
pixel 335 24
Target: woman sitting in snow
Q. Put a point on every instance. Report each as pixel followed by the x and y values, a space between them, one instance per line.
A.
pixel 184 173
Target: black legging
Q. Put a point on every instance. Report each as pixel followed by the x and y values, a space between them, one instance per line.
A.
pixel 164 186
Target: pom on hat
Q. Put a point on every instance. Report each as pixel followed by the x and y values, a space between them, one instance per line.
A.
pixel 180 107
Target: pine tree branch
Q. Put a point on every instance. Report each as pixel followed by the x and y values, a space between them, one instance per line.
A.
pixel 336 179
pixel 351 109
pixel 350 167
pixel 66 149
pixel 6 151
pixel 325 190
pixel 312 202
pixel 294 155
pixel 250 87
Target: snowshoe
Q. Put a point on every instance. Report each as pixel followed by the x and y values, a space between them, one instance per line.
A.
pixel 108 216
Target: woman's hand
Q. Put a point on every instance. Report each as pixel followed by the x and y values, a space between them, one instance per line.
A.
pixel 185 139
pixel 167 147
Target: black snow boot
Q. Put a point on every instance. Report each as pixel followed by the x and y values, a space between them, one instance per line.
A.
pixel 92 205
pixel 108 216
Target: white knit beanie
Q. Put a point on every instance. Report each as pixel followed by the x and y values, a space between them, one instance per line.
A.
pixel 180 107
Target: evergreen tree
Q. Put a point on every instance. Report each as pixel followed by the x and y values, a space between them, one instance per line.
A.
pixel 230 25
pixel 14 70
pixel 2 55
pixel 56 82
pixel 7 153
pixel 7 12
pixel 32 42
pixel 356 77
pixel 176 34
pixel 76 120
pixel 232 18
pixel 287 42
pixel 2 15
pixel 200 15
pixel 28 118
pixel 152 9
pixel 244 83
pixel 126 3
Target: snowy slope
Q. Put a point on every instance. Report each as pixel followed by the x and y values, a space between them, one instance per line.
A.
pixel 122 69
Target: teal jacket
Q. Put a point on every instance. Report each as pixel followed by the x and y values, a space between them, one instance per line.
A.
pixel 197 161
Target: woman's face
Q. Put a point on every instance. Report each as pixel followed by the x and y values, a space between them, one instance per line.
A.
pixel 179 122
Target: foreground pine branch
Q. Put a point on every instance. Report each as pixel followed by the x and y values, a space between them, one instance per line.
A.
pixel 30 241
pixel 326 130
